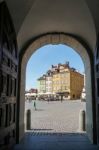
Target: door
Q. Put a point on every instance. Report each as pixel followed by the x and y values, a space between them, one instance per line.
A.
pixel 8 78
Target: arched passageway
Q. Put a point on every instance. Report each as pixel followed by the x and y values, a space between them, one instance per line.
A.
pixel 84 52
pixel 33 18
pixel 54 113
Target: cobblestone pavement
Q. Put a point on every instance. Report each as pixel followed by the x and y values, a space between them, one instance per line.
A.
pixel 55 126
pixel 56 116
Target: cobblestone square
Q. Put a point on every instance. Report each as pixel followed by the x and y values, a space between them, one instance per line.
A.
pixel 55 116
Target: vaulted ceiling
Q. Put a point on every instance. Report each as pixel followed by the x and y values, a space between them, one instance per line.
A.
pixel 35 17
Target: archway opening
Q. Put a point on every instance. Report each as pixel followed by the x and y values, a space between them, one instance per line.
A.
pixel 55 84
pixel 82 51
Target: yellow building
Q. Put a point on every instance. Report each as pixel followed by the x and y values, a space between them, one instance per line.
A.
pixel 63 80
pixel 76 84
pixel 67 81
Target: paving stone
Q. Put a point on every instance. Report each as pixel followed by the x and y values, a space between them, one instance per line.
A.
pixel 55 126
pixel 55 116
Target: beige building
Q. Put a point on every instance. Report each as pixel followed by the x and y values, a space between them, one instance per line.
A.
pixel 42 84
pixel 67 81
pixel 63 80
pixel 49 83
pixel 76 84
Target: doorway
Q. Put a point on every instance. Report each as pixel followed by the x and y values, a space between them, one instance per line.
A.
pixel 87 59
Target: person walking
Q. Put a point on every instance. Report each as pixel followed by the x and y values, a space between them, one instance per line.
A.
pixel 35 105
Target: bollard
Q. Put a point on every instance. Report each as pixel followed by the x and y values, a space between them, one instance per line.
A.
pixel 82 121
pixel 28 119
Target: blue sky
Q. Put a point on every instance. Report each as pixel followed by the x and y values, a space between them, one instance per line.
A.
pixel 49 55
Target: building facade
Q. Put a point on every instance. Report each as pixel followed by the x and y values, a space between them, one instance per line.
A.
pixel 42 84
pixel 76 84
pixel 62 79
pixel 49 82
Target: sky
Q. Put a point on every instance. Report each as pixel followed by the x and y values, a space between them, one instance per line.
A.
pixel 48 55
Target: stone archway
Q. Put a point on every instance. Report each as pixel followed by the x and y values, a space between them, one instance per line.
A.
pixel 71 41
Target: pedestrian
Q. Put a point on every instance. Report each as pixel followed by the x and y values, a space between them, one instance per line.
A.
pixel 35 105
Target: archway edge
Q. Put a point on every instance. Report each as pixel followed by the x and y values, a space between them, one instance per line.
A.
pixel 54 38
pixel 70 40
